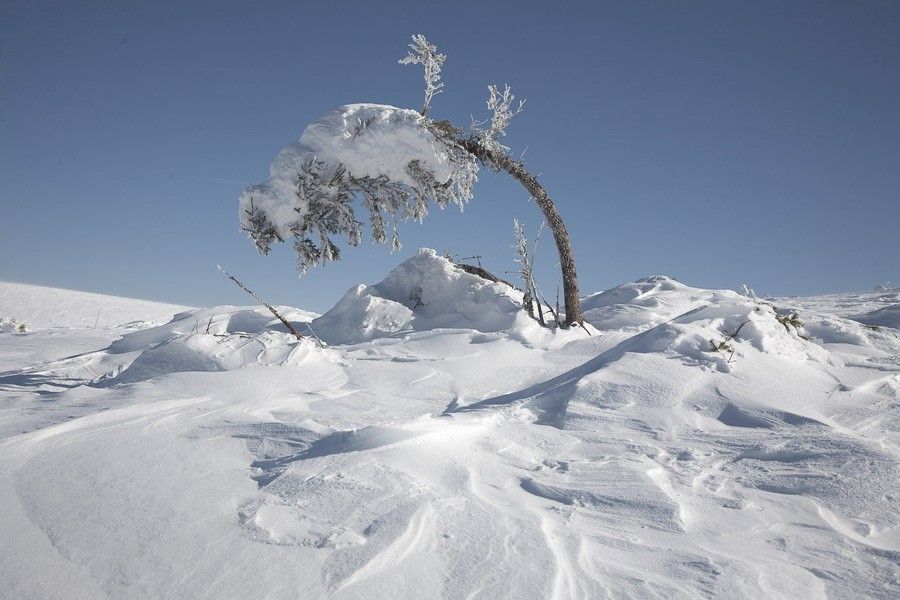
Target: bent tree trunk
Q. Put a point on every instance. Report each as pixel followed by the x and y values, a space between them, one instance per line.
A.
pixel 515 168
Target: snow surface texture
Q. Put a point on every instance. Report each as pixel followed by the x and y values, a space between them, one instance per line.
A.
pixel 443 448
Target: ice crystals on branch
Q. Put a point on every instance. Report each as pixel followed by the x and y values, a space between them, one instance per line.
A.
pixel 425 53
pixel 389 161
pixel 500 103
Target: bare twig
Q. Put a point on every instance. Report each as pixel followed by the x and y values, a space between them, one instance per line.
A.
pixel 263 302
pixel 737 331
pixel 309 326
pixel 540 310
pixel 541 299
pixel 725 345
pixel 477 258
pixel 557 304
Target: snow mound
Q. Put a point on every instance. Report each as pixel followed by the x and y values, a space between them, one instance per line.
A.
pixel 647 302
pixel 683 322
pixel 222 338
pixel 424 292
pixel 748 328
pixel 370 140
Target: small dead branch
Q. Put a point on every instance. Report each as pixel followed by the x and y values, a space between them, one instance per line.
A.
pixel 481 272
pixel 737 331
pixel 477 258
pixel 789 320
pixel 556 314
pixel 722 347
pixel 313 333
pixel 725 345
pixel 540 309
pixel 416 297
pixel 263 302
pixel 541 299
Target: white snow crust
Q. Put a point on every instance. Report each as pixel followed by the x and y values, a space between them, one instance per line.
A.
pixel 445 446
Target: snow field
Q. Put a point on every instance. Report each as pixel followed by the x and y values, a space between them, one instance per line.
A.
pixel 444 445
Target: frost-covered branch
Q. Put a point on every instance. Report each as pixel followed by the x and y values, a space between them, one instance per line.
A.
pixel 425 53
pixel 526 272
pixel 521 248
pixel 501 105
pixel 390 161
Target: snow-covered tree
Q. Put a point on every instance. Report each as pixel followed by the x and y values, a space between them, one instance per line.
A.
pixel 392 162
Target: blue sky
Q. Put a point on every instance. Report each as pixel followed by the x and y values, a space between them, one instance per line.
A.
pixel 718 142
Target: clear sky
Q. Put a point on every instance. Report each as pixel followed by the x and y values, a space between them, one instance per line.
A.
pixel 718 142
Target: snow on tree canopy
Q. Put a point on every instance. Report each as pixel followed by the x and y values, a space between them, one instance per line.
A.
pixel 392 159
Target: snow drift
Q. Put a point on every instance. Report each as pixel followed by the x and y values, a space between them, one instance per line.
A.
pixel 633 463
pixel 221 338
pixel 424 292
pixel 647 302
pixel 668 317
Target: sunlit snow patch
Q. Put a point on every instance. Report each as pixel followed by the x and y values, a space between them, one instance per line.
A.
pixel 424 292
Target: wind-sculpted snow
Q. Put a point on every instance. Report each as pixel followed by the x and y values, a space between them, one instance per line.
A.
pixel 450 451
pixel 427 292
pixel 647 302
pixel 216 339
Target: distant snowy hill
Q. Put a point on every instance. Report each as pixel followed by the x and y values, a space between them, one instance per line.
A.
pixel 42 307
pixel 690 443
pixel 880 308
